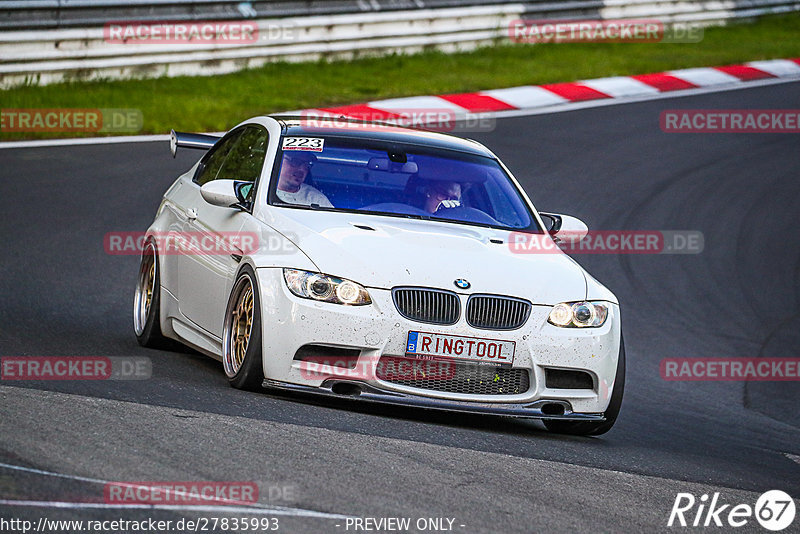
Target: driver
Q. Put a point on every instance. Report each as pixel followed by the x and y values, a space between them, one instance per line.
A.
pixel 291 188
pixel 442 194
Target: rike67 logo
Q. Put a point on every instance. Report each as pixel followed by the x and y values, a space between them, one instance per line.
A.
pixel 774 510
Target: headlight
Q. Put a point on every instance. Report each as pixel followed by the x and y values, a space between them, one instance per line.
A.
pixel 578 314
pixel 317 286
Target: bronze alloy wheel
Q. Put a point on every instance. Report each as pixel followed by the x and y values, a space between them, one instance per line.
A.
pixel 238 326
pixel 144 289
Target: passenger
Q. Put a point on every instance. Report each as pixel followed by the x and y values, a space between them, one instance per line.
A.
pixel 442 194
pixel 292 188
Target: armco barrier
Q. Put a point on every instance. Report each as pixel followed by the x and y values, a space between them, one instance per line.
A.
pixel 63 40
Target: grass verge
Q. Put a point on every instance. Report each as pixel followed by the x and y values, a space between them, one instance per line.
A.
pixel 216 103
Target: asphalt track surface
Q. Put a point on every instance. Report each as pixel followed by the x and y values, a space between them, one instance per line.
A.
pixel 611 166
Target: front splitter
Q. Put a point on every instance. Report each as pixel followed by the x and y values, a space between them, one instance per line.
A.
pixel 541 409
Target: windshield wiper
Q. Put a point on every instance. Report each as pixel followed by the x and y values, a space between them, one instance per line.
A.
pixel 396 214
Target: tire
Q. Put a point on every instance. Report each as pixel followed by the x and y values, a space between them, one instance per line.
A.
pixel 592 428
pixel 147 301
pixel 241 334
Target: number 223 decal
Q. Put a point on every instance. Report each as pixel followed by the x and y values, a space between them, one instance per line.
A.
pixel 313 144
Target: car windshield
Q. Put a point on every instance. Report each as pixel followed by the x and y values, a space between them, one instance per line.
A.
pixel 358 175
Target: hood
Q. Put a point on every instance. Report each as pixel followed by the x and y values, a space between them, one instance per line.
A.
pixel 385 252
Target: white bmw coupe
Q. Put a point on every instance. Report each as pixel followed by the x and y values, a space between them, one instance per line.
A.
pixel 359 259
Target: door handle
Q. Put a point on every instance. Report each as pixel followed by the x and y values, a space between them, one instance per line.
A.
pixel 191 214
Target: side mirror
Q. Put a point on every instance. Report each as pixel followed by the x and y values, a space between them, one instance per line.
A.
pixel 225 193
pixel 564 228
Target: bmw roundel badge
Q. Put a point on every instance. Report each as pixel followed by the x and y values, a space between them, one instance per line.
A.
pixel 461 283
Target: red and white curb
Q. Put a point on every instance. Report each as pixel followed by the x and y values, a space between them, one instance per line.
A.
pixel 529 97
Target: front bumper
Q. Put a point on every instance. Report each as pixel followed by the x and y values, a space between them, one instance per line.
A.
pixel 377 330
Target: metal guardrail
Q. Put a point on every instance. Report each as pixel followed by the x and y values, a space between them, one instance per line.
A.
pixel 40 14
pixel 72 48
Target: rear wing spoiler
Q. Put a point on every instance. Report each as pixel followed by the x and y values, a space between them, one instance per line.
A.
pixel 190 140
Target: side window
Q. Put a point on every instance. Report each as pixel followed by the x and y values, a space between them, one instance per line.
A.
pixel 213 160
pixel 246 158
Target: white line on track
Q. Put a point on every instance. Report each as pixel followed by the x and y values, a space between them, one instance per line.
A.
pixel 255 508
pixel 557 108
pixel 189 508
pixel 84 141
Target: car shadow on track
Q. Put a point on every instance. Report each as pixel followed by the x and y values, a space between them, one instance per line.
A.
pixel 441 418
